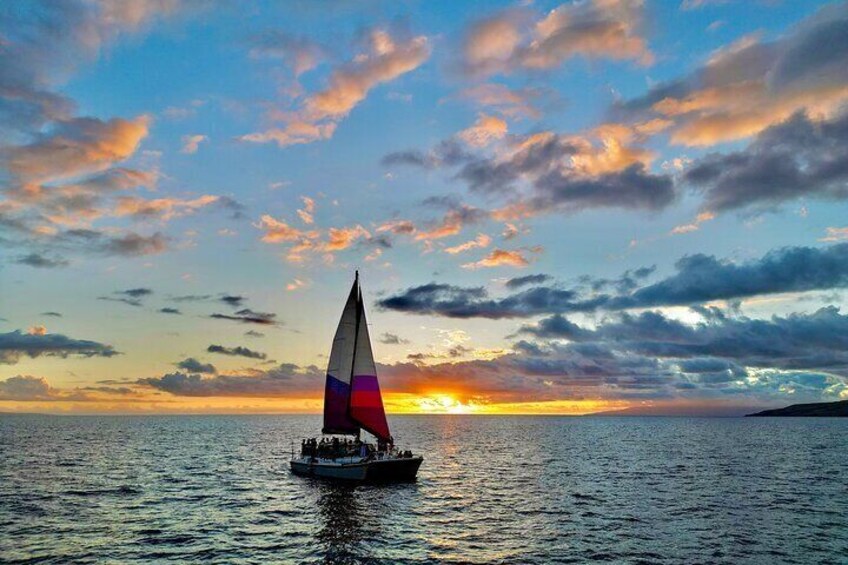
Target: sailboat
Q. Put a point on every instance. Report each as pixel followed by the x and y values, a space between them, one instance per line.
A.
pixel 352 404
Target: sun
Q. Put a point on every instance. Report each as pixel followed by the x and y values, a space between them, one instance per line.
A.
pixel 443 404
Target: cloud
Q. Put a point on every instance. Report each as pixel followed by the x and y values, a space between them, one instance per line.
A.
pixel 306 213
pixel 248 316
pixel 252 333
pixel 285 380
pixel 454 220
pixel 132 296
pixel 192 142
pixel 75 147
pixel 513 103
pixel 26 388
pixel 500 258
pixel 484 131
pixel 752 84
pixel 527 280
pixel 546 172
pixel 797 158
pixel 300 53
pixel 794 342
pixel 14 345
pixel 192 365
pixel 238 351
pixel 386 59
pixel 392 339
pixel 698 279
pixel 482 240
pixel 836 234
pixel 519 39
pixel 168 310
pixel 41 261
pixel 166 208
pixel 232 300
pixel 52 314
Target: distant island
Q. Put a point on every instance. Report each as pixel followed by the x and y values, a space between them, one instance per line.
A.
pixel 818 409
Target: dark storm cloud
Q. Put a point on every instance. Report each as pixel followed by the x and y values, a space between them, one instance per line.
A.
pixel 248 316
pixel 281 381
pixel 41 261
pixel 518 282
pixel 14 345
pixel 699 278
pixel 238 351
pixel 799 157
pixel 192 365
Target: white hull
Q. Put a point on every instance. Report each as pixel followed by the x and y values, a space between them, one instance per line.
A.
pixel 357 469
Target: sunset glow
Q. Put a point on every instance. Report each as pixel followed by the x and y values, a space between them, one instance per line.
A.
pixel 555 207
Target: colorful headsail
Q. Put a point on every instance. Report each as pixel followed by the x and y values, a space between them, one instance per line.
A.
pixel 366 402
pixel 337 418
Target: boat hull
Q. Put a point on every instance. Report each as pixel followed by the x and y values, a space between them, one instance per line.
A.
pixel 392 470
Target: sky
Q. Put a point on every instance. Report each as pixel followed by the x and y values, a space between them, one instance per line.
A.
pixel 555 208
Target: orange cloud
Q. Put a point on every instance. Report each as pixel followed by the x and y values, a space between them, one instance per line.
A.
pixel 306 213
pixel 161 208
pixel 387 59
pixel 500 258
pixel 482 240
pixel 484 131
pixel 78 146
pixel 593 29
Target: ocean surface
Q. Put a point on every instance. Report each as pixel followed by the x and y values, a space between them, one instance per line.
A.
pixel 491 490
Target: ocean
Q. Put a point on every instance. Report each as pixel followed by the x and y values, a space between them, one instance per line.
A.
pixel 508 489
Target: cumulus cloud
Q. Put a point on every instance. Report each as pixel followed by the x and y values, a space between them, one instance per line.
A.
pixel 14 345
pixel 192 365
pixel 285 380
pixel 698 279
pixel 797 158
pixel 752 84
pixel 547 172
pixel 527 280
pixel 484 131
pixel 512 103
pixel 237 351
pixel 519 39
pixel 392 339
pixel 26 388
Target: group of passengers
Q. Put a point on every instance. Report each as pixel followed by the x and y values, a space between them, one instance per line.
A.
pixel 335 448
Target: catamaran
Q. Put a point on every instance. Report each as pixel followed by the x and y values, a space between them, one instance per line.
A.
pixel 352 403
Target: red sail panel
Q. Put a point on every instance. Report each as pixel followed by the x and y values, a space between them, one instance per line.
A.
pixel 366 402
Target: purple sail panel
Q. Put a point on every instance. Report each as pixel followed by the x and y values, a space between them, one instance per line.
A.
pixel 336 401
